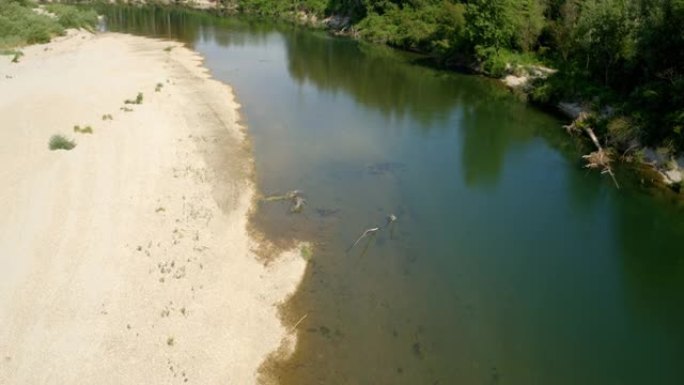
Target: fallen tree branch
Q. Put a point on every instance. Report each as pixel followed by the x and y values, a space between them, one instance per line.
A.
pixel 371 231
pixel 600 158
pixel 389 220
pixel 298 322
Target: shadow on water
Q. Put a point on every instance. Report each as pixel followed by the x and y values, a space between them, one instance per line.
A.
pixel 508 264
pixel 184 25
pixel 377 81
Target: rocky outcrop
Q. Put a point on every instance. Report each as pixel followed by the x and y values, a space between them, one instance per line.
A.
pixel 520 76
pixel 573 110
pixel 337 22
pixel 671 169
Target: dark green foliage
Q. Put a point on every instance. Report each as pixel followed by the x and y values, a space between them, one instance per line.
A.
pixel 58 142
pixel 138 99
pixel 491 26
pixel 83 130
pixel 282 8
pixel 626 53
pixel 437 28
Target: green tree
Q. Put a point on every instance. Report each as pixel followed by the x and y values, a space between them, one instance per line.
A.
pixel 529 20
pixel 490 25
pixel 604 36
pixel 562 28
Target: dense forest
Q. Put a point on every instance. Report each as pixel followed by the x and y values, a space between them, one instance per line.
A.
pixel 626 54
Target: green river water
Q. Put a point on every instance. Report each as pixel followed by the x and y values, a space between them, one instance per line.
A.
pixel 508 264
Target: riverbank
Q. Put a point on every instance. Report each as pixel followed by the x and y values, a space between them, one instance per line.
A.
pixel 659 166
pixel 628 139
pixel 127 258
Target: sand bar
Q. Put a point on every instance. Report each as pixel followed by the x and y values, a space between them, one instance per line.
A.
pixel 126 260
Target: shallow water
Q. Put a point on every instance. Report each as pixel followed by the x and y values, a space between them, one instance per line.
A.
pixel 508 264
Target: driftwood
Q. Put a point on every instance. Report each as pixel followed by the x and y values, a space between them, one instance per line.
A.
pixel 298 322
pixel 287 196
pixel 295 196
pixel 371 231
pixel 390 224
pixel 297 204
pixel 599 159
pixel 390 219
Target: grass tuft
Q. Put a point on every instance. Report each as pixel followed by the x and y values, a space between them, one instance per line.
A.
pixel 84 130
pixel 16 57
pixel 306 251
pixel 58 142
pixel 138 99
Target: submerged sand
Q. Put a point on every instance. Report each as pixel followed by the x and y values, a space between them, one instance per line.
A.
pixel 127 259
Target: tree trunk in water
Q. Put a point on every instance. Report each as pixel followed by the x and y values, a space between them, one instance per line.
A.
pixel 601 159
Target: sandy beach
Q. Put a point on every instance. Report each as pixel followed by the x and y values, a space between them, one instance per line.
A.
pixel 127 259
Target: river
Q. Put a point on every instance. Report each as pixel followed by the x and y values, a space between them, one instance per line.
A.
pixel 508 262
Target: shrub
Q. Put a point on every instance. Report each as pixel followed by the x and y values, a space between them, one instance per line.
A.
pixel 138 99
pixel 16 54
pixel 58 142
pixel 16 57
pixel 622 130
pixel 20 25
pixel 84 130
pixel 72 17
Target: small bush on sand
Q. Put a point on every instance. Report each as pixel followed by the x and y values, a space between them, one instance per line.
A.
pixel 158 87
pixel 17 55
pixel 107 117
pixel 84 130
pixel 138 99
pixel 58 142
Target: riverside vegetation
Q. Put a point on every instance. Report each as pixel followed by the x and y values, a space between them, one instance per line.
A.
pixel 622 59
pixel 22 22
